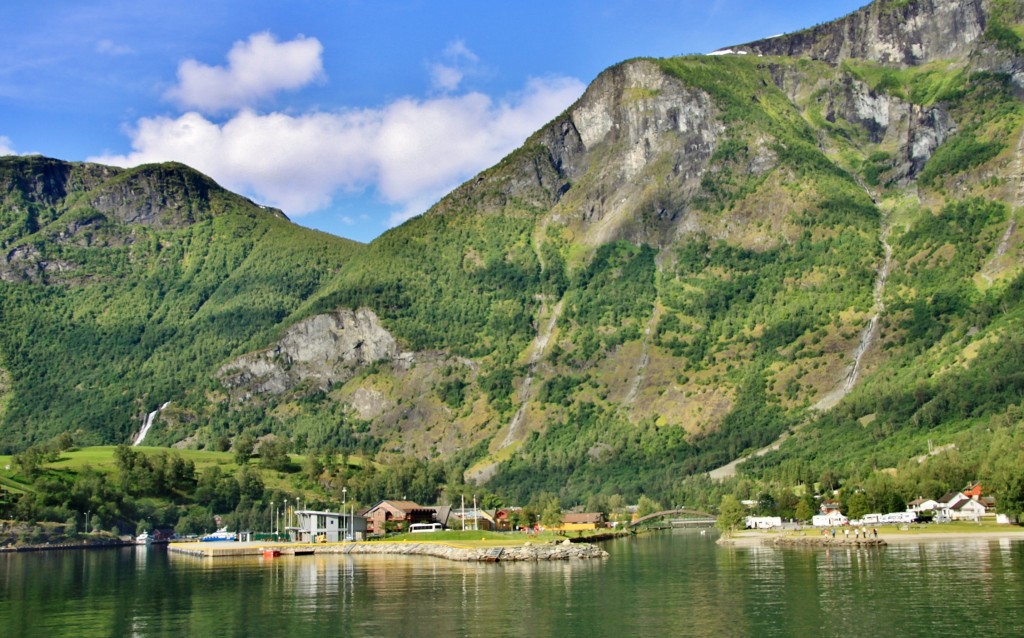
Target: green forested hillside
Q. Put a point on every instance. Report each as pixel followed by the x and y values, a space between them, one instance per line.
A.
pixel 136 315
pixel 812 241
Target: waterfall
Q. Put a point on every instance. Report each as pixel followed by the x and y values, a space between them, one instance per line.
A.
pixel 148 423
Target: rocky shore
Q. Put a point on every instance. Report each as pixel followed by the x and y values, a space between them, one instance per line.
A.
pixel 559 551
pixel 448 551
pixel 821 541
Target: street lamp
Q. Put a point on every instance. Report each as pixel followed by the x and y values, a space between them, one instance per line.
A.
pixel 271 518
pixel 344 499
pixel 285 515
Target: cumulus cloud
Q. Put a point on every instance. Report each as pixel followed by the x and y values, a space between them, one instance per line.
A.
pixel 411 151
pixel 257 68
pixel 5 146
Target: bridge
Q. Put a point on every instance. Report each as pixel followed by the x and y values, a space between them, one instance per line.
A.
pixel 697 517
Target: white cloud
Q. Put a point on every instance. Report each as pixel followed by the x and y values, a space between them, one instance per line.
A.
pixel 411 151
pixel 5 146
pixel 444 77
pixel 256 69
pixel 459 61
pixel 109 47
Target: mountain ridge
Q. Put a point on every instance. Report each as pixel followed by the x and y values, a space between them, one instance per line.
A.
pixel 666 277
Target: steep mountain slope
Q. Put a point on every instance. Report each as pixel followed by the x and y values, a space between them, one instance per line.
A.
pixel 121 290
pixel 813 238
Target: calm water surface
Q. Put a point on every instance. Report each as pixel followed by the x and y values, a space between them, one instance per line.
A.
pixel 667 584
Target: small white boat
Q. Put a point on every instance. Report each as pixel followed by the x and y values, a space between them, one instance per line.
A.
pixel 220 535
pixel 143 539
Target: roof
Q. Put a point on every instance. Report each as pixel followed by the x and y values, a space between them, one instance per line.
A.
pixel 951 497
pixel 586 517
pixel 401 506
pixel 964 502
pixel 442 513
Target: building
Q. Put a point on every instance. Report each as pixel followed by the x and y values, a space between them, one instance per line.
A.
pixel 922 505
pixel 974 491
pixel 396 516
pixel 503 518
pixel 966 509
pixel 473 518
pixel 313 526
pixel 573 522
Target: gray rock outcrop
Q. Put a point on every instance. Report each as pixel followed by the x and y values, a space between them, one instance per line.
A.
pixel 324 349
pixel 888 32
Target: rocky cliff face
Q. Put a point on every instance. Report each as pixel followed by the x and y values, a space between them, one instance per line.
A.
pixel 322 350
pixel 888 32
pixel 67 202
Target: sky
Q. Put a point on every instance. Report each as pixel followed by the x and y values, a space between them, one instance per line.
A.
pixel 351 116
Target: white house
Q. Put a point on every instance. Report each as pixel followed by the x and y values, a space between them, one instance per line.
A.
pixel 966 510
pixel 922 505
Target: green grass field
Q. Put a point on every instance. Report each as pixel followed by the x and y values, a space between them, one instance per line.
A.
pixel 487 539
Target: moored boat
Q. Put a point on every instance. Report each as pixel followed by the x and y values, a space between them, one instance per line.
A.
pixel 220 535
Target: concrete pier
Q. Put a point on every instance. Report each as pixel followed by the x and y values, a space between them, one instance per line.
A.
pixel 448 551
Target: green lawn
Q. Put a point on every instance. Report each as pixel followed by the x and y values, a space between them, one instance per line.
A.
pixel 486 539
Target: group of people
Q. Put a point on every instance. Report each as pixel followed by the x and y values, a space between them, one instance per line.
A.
pixel 858 532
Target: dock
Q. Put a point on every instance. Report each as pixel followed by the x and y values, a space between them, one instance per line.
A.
pixel 234 550
pixel 450 551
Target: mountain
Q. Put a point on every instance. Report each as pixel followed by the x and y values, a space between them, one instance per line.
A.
pixel 809 242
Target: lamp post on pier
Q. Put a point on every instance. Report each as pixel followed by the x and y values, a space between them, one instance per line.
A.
pixel 344 499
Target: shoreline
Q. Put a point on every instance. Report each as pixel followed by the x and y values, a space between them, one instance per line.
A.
pixel 448 551
pixel 889 537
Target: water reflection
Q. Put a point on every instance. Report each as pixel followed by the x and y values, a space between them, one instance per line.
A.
pixel 678 584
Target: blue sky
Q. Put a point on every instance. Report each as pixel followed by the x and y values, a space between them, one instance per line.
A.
pixel 349 115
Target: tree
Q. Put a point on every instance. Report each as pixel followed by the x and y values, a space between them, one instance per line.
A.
pixel 646 506
pixel 804 510
pixel 244 445
pixel 731 515
pixel 31 460
pixel 857 505
pixel 551 514
pixel 274 454
pixel 313 467
pixel 598 503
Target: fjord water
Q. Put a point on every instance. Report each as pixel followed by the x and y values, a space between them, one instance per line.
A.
pixel 665 584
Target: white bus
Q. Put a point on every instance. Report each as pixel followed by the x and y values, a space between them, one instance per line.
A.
pixel 425 527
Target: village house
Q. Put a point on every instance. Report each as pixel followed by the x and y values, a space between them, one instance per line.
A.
pixel 966 509
pixel 503 518
pixel 573 522
pixel 974 491
pixel 921 505
pixel 314 526
pixel 387 516
pixel 830 515
pixel 474 518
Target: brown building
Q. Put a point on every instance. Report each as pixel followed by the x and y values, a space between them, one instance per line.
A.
pixel 585 520
pixel 396 516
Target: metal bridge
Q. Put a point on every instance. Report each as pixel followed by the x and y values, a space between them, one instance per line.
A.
pixel 697 517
